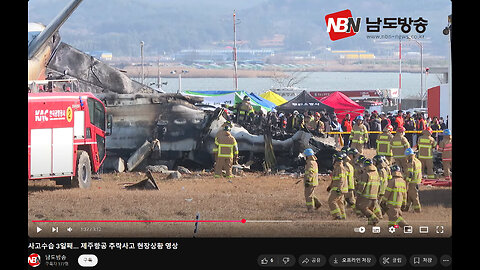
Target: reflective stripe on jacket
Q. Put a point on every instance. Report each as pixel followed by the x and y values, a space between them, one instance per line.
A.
pixel 425 146
pixel 384 177
pixel 396 192
pixel 225 145
pixel 359 134
pixel 311 173
pixel 383 144
pixel 350 175
pixel 445 147
pixel 372 183
pixel 415 169
pixel 399 144
pixel 339 178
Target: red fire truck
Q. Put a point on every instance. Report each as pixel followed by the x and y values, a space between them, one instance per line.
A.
pixel 66 137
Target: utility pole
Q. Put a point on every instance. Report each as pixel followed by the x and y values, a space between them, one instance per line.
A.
pixel 235 77
pixel 421 70
pixel 141 56
pixel 400 75
pixel 159 80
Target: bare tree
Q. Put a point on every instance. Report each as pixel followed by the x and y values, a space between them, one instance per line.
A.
pixel 289 79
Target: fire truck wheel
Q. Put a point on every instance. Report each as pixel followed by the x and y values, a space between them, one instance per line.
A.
pixel 84 171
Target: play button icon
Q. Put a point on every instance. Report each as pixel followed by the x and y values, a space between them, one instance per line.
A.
pixel 39 229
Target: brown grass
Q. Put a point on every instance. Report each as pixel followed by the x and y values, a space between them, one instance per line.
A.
pixel 253 197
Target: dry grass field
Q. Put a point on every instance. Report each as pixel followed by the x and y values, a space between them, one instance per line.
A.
pixel 273 206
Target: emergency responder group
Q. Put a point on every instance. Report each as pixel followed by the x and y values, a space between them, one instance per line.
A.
pixel 372 188
pixel 385 185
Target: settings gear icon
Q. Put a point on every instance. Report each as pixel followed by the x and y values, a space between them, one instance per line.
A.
pixel 391 229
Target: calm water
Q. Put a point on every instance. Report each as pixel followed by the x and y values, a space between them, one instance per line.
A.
pixel 315 81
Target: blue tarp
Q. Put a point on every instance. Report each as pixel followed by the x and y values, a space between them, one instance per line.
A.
pixel 260 100
pixel 215 97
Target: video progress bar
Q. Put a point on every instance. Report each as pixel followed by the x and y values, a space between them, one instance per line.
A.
pixel 134 221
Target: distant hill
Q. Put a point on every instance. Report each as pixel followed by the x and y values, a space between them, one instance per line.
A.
pixel 118 26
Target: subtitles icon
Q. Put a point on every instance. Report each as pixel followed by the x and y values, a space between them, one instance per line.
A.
pixel 375 229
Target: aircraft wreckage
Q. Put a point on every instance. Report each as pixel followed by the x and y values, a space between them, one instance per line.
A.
pixel 152 127
pixel 160 128
pixel 168 128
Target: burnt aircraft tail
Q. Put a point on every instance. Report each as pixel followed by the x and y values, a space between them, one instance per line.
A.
pixel 92 74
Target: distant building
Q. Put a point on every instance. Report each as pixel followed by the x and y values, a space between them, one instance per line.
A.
pixel 353 54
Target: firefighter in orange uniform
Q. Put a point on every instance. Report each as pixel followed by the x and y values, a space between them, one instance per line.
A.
pixel 445 147
pixel 226 151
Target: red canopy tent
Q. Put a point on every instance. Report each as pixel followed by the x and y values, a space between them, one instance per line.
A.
pixel 342 105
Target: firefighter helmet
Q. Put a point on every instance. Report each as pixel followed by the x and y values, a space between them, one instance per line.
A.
pixel 378 159
pixel 308 152
pixel 395 168
pixel 367 162
pixel 352 151
pixel 360 159
pixel 409 151
pixel 388 128
pixel 339 156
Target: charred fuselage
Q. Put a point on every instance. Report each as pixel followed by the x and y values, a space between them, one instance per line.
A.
pixel 141 115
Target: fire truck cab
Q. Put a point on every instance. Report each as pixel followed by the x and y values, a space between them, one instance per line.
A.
pixel 66 137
